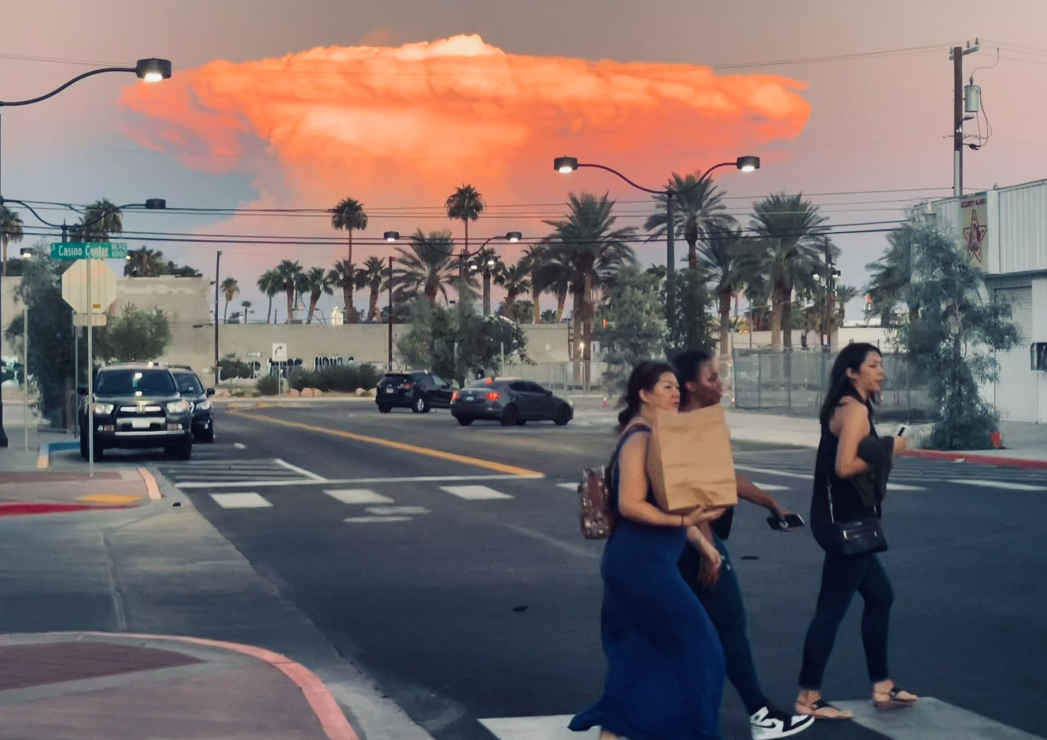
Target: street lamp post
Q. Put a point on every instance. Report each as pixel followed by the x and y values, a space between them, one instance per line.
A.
pixel 510 236
pixel 149 70
pixel 748 163
pixel 390 236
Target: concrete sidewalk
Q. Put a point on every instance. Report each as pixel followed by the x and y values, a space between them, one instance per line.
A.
pixel 93 684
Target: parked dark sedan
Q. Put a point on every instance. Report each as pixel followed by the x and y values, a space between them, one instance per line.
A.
pixel 510 402
pixel 192 390
pixel 418 390
pixel 136 405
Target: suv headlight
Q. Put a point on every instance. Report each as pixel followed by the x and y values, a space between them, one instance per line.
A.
pixel 203 405
pixel 103 409
pixel 178 407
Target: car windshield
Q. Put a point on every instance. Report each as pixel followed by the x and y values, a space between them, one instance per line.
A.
pixel 135 383
pixel 188 383
pixel 395 378
pixel 486 383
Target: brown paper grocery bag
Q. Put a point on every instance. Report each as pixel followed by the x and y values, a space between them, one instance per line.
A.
pixel 689 460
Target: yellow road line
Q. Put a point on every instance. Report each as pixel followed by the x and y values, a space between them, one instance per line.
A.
pixel 428 452
pixel 108 498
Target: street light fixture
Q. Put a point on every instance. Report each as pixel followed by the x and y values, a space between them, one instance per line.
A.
pixel 567 165
pixel 150 70
pixel 390 236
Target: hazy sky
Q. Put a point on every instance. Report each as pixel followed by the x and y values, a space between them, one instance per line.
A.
pixel 299 116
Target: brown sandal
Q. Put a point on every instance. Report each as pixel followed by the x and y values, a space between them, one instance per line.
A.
pixel 817 708
pixel 893 701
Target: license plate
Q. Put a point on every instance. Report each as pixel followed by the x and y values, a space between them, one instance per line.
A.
pixel 470 397
pixel 140 423
pixel 390 390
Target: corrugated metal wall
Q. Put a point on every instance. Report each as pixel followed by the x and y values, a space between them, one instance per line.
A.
pixel 1022 228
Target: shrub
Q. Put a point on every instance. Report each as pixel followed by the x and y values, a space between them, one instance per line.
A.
pixel 268 385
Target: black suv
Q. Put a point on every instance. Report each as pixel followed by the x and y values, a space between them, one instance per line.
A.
pixel 192 390
pixel 510 401
pixel 137 405
pixel 418 390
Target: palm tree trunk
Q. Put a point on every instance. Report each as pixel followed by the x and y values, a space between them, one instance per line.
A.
pixel 587 326
pixel 561 302
pixel 692 253
pixel 787 316
pixel 535 295
pixel 347 290
pixel 776 322
pixel 269 310
pixel 290 305
pixel 225 313
pixel 725 319
pixel 372 305
pixel 312 308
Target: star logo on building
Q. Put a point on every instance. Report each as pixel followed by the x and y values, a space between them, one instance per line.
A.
pixel 974 234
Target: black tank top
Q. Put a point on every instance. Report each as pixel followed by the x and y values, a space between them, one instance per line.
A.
pixel 846 500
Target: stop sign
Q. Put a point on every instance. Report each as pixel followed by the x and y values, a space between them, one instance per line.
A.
pixel 103 286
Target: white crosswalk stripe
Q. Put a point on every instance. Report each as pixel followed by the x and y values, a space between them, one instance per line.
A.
pixel 550 727
pixel 1004 485
pixel 358 496
pixel 247 500
pixel 474 493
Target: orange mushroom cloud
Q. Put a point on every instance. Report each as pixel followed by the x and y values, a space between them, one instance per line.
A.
pixel 408 124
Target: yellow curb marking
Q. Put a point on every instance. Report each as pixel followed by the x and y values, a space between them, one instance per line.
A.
pixel 108 498
pixel 426 451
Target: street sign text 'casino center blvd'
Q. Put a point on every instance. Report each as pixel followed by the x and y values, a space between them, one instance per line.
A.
pixel 88 250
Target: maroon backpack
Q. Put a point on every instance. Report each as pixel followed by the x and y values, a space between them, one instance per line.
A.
pixel 597 513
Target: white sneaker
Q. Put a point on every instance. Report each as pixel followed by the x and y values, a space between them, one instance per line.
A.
pixel 770 722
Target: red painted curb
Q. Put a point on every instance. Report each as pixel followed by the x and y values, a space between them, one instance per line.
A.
pixel 21 508
pixel 1007 462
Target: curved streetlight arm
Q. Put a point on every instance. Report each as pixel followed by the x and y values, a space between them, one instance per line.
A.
pixel 30 101
pixel 619 174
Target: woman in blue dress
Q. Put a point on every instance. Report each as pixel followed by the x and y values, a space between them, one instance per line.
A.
pixel 665 665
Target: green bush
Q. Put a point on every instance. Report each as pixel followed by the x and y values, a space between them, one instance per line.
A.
pixel 234 368
pixel 268 385
pixel 345 379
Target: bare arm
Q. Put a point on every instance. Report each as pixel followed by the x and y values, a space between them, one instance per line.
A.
pixel 754 494
pixel 853 427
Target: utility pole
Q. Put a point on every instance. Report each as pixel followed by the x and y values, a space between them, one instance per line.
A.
pixel 389 366
pixel 217 264
pixel 956 54
pixel 670 264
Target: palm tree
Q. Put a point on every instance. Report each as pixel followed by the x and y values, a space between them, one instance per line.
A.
pixel 317 282
pixel 370 276
pixel 516 279
pixel 10 231
pixel 587 242
pixel 698 204
pixel 791 227
pixel 100 219
pixel 428 266
pixel 270 284
pixel 246 306
pixel 144 262
pixel 533 261
pixel 230 289
pixel 349 215
pixel 890 275
pixel 720 260
pixel 343 276
pixel 290 272
pixel 489 265
pixel 464 204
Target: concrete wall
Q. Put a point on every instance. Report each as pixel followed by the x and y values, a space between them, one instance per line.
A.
pixel 841 338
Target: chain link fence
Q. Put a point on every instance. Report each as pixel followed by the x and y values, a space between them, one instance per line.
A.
pixel 795 383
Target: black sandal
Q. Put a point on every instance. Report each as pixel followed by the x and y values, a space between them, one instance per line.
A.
pixel 893 700
pixel 813 709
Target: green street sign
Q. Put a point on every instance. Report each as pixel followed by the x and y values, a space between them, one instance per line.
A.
pixel 85 250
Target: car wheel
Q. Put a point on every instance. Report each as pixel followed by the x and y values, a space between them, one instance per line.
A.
pixel 510 416
pixel 384 409
pixel 464 420
pixel 421 406
pixel 521 422
pixel 562 416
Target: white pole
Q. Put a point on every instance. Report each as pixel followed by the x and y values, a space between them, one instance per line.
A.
pixel 90 374
pixel 76 377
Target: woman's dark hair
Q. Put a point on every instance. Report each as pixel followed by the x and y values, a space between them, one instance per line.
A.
pixel 644 377
pixel 687 365
pixel 851 357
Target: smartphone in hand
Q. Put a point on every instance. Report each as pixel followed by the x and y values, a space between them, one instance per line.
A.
pixel 791 521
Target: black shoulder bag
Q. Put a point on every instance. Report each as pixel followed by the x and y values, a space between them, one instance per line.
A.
pixel 856 537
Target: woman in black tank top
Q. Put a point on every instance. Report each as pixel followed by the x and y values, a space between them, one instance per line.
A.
pixel 846 419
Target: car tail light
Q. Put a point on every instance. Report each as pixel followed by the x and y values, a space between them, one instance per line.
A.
pixel 454 396
pixel 493 396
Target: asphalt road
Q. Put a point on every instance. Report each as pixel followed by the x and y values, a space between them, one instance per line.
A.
pixel 465 588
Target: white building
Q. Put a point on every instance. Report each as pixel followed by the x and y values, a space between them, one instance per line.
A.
pixel 1005 230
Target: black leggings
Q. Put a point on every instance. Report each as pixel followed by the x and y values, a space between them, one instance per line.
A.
pixel 841 577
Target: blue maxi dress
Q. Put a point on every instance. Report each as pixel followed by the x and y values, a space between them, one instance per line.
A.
pixel 665 664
